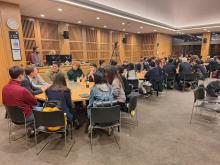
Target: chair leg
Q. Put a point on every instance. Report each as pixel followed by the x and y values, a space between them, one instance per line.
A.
pixel 136 117
pixel 65 136
pixel 191 114
pixel 9 132
pixel 118 129
pixel 26 137
pixel 91 129
pixel 117 141
pixel 71 131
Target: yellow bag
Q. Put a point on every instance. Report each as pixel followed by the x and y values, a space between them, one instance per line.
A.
pixel 52 109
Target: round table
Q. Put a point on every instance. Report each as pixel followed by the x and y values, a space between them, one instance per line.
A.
pixel 77 89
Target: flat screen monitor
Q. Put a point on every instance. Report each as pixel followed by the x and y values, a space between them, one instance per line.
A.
pixel 66 58
pixel 51 58
pixel 58 58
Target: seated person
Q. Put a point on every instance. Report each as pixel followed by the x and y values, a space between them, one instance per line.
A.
pixel 140 66
pixel 101 68
pixel 13 94
pixel 90 75
pixel 100 92
pixel 213 89
pixel 116 82
pixel 199 69
pixel 155 76
pixel 113 62
pixel 125 65
pixel 184 68
pixel 127 87
pixel 59 91
pixel 51 73
pixel 76 72
pixel 30 74
pixel 131 73
pixel 38 81
pixel 169 68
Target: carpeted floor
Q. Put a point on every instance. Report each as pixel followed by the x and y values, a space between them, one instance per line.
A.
pixel 163 137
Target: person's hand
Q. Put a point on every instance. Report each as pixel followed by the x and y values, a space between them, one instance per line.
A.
pixel 44 88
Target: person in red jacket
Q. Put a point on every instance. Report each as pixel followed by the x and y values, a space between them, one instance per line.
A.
pixel 13 94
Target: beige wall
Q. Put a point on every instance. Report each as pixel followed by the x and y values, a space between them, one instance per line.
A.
pixel 163 45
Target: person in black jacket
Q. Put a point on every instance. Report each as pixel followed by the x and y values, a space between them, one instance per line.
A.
pixel 101 68
pixel 169 68
pixel 59 91
pixel 127 87
pixel 30 73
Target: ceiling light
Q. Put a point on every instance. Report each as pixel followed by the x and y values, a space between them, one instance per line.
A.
pixel 138 32
pixel 42 15
pixel 123 29
pixel 79 22
pixel 208 31
pixel 105 26
pixel 98 18
pixel 59 9
pixel 155 30
pixel 123 23
pixel 204 29
pixel 141 27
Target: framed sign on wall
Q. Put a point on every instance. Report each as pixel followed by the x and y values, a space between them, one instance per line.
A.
pixel 15 45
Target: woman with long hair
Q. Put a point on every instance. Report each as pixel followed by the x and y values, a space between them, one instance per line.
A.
pixel 59 91
pixel 116 82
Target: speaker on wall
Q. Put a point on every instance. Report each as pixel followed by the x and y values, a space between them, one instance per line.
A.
pixel 204 40
pixel 65 34
pixel 124 40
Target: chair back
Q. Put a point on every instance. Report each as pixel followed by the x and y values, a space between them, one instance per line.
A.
pixel 170 76
pixel 49 119
pixel 101 115
pixel 134 83
pixel 132 104
pixel 189 77
pixel 15 114
pixel 106 103
pixel 199 94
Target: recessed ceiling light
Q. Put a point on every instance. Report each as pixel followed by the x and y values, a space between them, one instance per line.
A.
pixel 141 27
pixel 98 18
pixel 208 31
pixel 105 26
pixel 123 23
pixel 59 9
pixel 79 22
pixel 138 32
pixel 123 29
pixel 204 29
pixel 42 15
pixel 155 30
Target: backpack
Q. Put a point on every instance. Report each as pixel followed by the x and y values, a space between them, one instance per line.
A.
pixel 51 106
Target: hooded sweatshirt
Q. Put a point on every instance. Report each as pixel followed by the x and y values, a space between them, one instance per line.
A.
pixel 99 93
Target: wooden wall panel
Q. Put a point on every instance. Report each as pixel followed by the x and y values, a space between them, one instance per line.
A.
pixel 205 45
pixel 149 45
pixel 164 45
pixel 91 44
